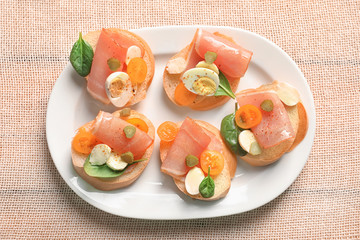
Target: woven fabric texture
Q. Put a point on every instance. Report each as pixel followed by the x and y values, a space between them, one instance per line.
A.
pixel 321 36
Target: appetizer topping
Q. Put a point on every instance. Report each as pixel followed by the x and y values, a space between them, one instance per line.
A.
pixel 100 154
pixel 287 94
pixel 139 123
pixel 191 160
pixel 137 70
pixel 129 131
pixel 167 131
pixel 207 186
pixel 176 65
pixel 267 105
pixel 232 59
pixel 114 64
pixel 212 159
pixel 210 57
pixel 248 116
pixel 132 52
pixel 125 112
pixel 208 81
pixel 84 141
pixel 193 179
pixel 115 162
pixel 210 66
pixel 275 126
pixel 183 96
pixel 191 139
pixel 248 142
pixel 109 129
pixel 81 56
pixel 127 157
pixel 119 88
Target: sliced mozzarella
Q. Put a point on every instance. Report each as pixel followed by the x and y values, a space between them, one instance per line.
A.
pixel 132 52
pixel 201 81
pixel 99 154
pixel 176 65
pixel 248 142
pixel 193 179
pixel 115 163
pixel 119 88
pixel 287 94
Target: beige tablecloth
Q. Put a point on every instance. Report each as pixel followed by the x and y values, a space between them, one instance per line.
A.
pixel 321 36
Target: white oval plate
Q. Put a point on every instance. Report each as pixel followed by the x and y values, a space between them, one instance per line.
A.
pixel 154 195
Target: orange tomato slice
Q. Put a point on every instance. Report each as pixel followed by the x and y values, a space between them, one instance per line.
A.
pixel 139 123
pixel 183 96
pixel 248 116
pixel 167 131
pixel 84 141
pixel 137 70
pixel 214 159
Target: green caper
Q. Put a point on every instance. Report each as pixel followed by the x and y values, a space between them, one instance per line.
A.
pixel 114 64
pixel 210 57
pixel 127 157
pixel 129 131
pixel 267 105
pixel 125 112
pixel 191 160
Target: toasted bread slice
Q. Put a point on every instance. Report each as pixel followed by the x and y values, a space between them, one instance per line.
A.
pixel 223 180
pixel 201 103
pixel 92 39
pixel 131 173
pixel 298 119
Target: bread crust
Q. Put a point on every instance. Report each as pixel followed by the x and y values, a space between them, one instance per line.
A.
pixel 92 39
pixel 132 173
pixel 223 180
pixel 201 103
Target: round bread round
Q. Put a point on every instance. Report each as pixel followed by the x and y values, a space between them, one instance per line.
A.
pixel 223 180
pixel 92 39
pixel 298 119
pixel 201 103
pixel 131 173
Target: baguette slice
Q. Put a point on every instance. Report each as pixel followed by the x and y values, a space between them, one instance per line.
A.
pixel 299 122
pixel 132 172
pixel 92 39
pixel 201 103
pixel 223 180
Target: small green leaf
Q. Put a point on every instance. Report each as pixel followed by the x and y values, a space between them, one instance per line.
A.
pixel 207 186
pixel 224 88
pixel 81 56
pixel 230 133
pixel 102 171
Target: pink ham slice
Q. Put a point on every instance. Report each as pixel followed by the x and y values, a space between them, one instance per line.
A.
pixel 191 139
pixel 232 59
pixel 109 130
pixel 110 45
pixel 275 126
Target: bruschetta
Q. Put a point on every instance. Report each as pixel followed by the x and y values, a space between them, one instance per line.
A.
pixel 120 65
pixel 189 150
pixel 113 150
pixel 271 121
pixel 193 76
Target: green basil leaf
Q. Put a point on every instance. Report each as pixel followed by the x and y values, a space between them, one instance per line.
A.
pixel 81 56
pixel 230 133
pixel 207 187
pixel 102 171
pixel 224 88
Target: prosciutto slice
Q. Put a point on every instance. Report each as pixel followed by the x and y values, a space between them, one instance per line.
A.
pixel 275 126
pixel 191 139
pixel 109 130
